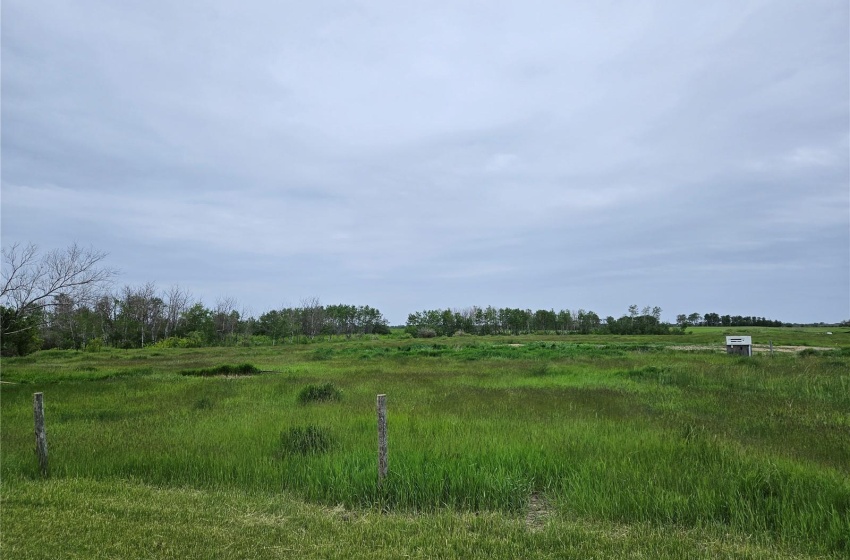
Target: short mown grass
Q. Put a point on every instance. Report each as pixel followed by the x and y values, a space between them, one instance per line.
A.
pixel 91 518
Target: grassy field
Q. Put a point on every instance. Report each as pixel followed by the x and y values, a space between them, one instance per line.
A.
pixel 575 446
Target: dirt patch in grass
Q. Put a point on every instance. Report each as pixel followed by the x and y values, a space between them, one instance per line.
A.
pixel 539 511
pixel 766 348
pixel 756 348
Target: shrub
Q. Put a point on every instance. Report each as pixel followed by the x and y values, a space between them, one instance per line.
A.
pixel 425 332
pixel 240 369
pixel 323 353
pixel 94 345
pixel 194 339
pixel 170 342
pixel 177 342
pixel 304 440
pixel 319 393
pixel 261 340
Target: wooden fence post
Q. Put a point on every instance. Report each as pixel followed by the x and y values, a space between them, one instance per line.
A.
pixel 40 434
pixel 382 438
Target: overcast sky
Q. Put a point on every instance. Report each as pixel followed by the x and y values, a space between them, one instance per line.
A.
pixel 419 155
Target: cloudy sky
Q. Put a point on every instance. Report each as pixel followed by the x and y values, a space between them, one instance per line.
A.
pixel 413 155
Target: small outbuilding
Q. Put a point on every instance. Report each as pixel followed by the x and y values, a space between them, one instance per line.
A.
pixel 740 345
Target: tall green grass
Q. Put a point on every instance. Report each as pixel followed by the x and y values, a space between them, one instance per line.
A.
pixel 628 431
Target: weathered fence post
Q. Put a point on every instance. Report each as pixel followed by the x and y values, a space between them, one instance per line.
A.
pixel 40 434
pixel 382 438
pixel 771 348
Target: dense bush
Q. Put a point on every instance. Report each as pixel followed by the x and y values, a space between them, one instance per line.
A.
pixel 20 335
pixel 193 339
pixel 425 332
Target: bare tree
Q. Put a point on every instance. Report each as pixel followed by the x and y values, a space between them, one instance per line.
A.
pixel 31 282
pixel 106 308
pixel 293 322
pixel 141 315
pixel 152 311
pixel 312 316
pixel 225 318
pixel 247 322
pixel 176 304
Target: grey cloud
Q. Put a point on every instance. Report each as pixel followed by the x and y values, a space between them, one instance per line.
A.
pixel 449 153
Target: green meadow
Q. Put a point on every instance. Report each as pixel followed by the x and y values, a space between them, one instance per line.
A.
pixel 527 446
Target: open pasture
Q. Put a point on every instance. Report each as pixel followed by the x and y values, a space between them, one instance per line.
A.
pixel 528 446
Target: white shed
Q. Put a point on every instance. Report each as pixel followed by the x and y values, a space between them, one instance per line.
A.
pixel 741 345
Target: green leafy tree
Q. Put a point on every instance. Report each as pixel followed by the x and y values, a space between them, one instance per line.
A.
pixel 369 320
pixel 711 320
pixel 312 317
pixel 198 324
pixel 565 321
pixel 649 322
pixel 24 335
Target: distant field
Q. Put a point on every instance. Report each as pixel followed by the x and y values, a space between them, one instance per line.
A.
pixel 531 446
pixel 806 336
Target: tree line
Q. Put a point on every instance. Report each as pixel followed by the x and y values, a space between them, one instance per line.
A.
pixel 491 320
pixel 717 320
pixel 135 317
pixel 637 321
pixel 65 299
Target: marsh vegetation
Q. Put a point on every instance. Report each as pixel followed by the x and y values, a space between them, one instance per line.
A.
pixel 625 431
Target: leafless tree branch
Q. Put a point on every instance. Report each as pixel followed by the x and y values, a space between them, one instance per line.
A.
pixel 31 283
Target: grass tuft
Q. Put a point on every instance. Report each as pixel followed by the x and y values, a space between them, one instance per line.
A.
pixel 304 440
pixel 321 354
pixel 204 403
pixel 319 393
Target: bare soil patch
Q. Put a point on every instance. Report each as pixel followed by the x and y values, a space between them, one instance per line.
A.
pixel 539 510
pixel 756 348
